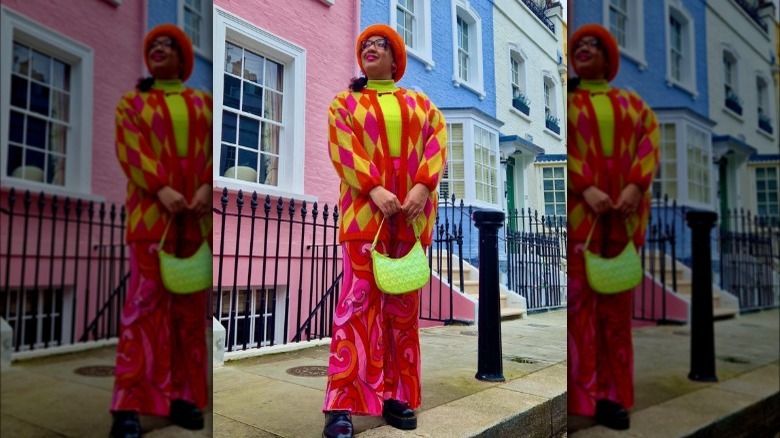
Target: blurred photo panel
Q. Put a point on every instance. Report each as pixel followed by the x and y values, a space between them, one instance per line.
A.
pixel 106 200
pixel 673 175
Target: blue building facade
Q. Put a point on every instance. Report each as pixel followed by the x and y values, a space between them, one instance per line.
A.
pixel 197 24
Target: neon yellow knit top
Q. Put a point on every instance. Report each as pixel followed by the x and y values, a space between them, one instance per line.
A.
pixel 604 112
pixel 391 111
pixel 178 109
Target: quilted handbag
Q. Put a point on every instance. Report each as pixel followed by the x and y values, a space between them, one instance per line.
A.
pixel 186 275
pixel 613 275
pixel 402 275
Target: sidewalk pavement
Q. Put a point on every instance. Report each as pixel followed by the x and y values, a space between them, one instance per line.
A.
pixel 46 398
pixel 257 397
pixel 744 402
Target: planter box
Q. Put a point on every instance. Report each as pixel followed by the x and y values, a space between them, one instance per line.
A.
pixel 520 106
pixel 552 127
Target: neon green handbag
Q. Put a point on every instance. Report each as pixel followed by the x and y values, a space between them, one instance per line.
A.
pixel 613 275
pixel 402 275
pixel 186 275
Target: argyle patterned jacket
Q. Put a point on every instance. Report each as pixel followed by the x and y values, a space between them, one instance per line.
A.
pixel 636 151
pixel 146 149
pixel 360 152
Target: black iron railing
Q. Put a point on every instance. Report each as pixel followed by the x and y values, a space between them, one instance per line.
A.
pixel 749 249
pixel 536 252
pixel 63 269
pixel 540 14
pixel 751 8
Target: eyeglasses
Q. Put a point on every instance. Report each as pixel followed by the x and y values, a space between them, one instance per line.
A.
pixel 590 43
pixel 162 43
pixel 379 44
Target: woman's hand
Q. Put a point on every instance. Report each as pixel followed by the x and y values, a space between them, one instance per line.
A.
pixel 201 202
pixel 385 200
pixel 415 201
pixel 629 200
pixel 597 200
pixel 173 201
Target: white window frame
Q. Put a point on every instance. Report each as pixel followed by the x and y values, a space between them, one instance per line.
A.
pixel 552 84
pixel 635 35
pixel 688 35
pixel 451 162
pixel 728 51
pixel 492 153
pixel 205 48
pixel 422 49
pixel 470 118
pixel 540 177
pixel 78 167
pixel 291 147
pixel 64 316
pixel 768 104
pixel 278 313
pixel 518 55
pixel 766 166
pixel 463 9
pixel 662 178
pixel 683 123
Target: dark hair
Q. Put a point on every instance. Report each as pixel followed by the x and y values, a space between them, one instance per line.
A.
pixel 573 84
pixel 357 84
pixel 144 84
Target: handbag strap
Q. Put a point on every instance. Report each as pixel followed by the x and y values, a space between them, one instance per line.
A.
pixel 593 227
pixel 378 230
pixel 168 226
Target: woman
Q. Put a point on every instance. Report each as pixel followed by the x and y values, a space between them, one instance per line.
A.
pixel 388 146
pixel 612 157
pixel 163 142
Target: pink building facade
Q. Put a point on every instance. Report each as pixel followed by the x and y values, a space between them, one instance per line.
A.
pixel 62 73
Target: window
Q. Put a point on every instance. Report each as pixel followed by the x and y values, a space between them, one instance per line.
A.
pixel 41 311
pixel 618 21
pixel 467 48
pixel 767 191
pixel 412 20
pixel 195 19
pixel 485 166
pixel 259 110
pixel 252 120
pixel 762 106
pixel 454 179
pixel 554 191
pixel 698 166
pixel 731 82
pixel 47 142
pixel 257 328
pixel 551 120
pixel 675 46
pixel 624 20
pixel 520 99
pixel 681 66
pixel 405 21
pixel 463 50
pixel 665 182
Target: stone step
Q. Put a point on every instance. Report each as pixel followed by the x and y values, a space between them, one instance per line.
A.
pixel 512 313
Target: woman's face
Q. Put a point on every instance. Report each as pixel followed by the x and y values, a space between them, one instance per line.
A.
pixel 164 59
pixel 378 61
pixel 590 59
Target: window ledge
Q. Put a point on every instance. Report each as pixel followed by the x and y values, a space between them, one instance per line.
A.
pixel 424 58
pixel 36 188
pixel 329 2
pixel 262 190
pixel 733 114
pixel 684 87
pixel 522 115
pixel 552 134
pixel 640 61
pixel 457 82
pixel 765 134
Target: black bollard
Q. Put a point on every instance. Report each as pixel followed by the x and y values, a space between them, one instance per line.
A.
pixel 702 325
pixel 489 365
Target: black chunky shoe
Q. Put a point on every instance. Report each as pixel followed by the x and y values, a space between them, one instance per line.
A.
pixel 399 415
pixel 126 425
pixel 611 415
pixel 338 424
pixel 187 415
